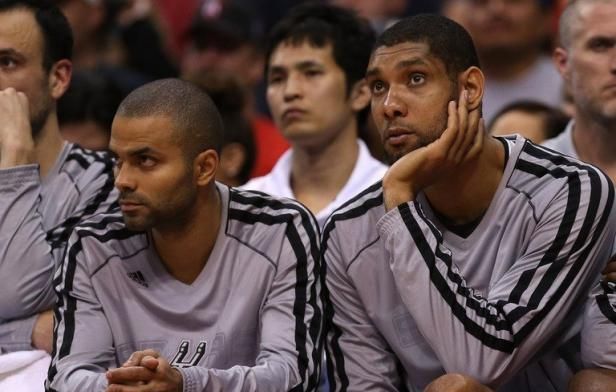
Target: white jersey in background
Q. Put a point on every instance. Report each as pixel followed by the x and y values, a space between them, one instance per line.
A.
pixel 500 300
pixel 367 171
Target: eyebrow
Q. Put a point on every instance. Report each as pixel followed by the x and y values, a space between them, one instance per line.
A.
pixel 10 51
pixel 302 65
pixel 400 65
pixel 137 151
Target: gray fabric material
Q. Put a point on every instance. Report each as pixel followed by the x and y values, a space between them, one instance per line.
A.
pixel 35 220
pixel 412 300
pixel 254 311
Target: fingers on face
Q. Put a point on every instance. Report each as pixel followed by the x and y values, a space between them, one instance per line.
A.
pixel 459 148
pixel 448 138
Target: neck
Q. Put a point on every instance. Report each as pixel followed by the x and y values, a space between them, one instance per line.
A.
pixel 473 183
pixel 318 174
pixel 185 250
pixel 48 145
pixel 595 143
pixel 503 66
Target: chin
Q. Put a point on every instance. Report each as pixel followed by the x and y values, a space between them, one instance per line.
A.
pixel 394 153
pixel 136 224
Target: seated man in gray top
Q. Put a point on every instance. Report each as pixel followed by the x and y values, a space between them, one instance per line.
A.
pixel 194 286
pixel 46 184
pixel 586 59
pixel 475 254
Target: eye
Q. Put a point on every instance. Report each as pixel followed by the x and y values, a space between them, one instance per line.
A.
pixel 146 161
pixel 274 79
pixel 377 87
pixel 7 62
pixel 416 79
pixel 312 72
pixel 601 44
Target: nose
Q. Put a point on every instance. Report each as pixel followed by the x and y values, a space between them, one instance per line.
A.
pixel 124 180
pixel 393 104
pixel 292 87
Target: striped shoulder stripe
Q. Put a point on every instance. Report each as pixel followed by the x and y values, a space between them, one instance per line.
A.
pixel 552 258
pixel 58 236
pixel 267 210
pixel 357 206
pixel 85 157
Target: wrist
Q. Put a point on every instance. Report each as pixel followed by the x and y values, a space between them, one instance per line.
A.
pixel 179 379
pixel 396 194
pixel 15 153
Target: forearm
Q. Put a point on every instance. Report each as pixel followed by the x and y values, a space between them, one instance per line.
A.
pixel 501 333
pixel 26 259
pixel 271 376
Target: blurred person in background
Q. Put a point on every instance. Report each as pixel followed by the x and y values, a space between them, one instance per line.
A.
pixel 586 59
pixel 226 38
pixel 511 38
pixel 86 110
pixel 531 119
pixel 237 152
pixel 316 59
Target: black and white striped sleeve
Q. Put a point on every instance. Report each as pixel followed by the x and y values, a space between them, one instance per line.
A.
pixel 291 329
pixel 493 336
pixel 83 344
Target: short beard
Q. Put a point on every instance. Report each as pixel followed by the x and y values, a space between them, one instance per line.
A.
pixel 39 118
pixel 425 138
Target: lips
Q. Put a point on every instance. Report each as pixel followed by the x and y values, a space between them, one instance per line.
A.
pixel 397 136
pixel 129 206
pixel 292 113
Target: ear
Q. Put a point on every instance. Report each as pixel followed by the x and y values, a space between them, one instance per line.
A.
pixel 560 57
pixel 232 158
pixel 360 95
pixel 205 166
pixel 60 78
pixel 473 81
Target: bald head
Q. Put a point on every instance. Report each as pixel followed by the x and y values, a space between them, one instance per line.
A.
pixel 570 18
pixel 197 123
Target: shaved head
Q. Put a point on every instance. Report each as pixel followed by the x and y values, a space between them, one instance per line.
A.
pixel 197 122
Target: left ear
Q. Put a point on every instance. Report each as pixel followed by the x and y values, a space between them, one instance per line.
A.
pixel 360 95
pixel 205 166
pixel 473 81
pixel 60 78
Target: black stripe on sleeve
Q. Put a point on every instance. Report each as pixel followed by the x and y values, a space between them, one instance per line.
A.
pixel 311 228
pixel 64 286
pixel 555 265
pixel 603 301
pixel 58 236
pixel 441 285
pixel 335 356
pixel 301 286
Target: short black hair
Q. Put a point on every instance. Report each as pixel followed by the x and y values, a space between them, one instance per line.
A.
pixel 446 39
pixel 197 122
pixel 91 96
pixel 350 36
pixel 55 29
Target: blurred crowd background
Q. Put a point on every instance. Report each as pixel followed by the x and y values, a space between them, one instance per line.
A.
pixel 218 44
